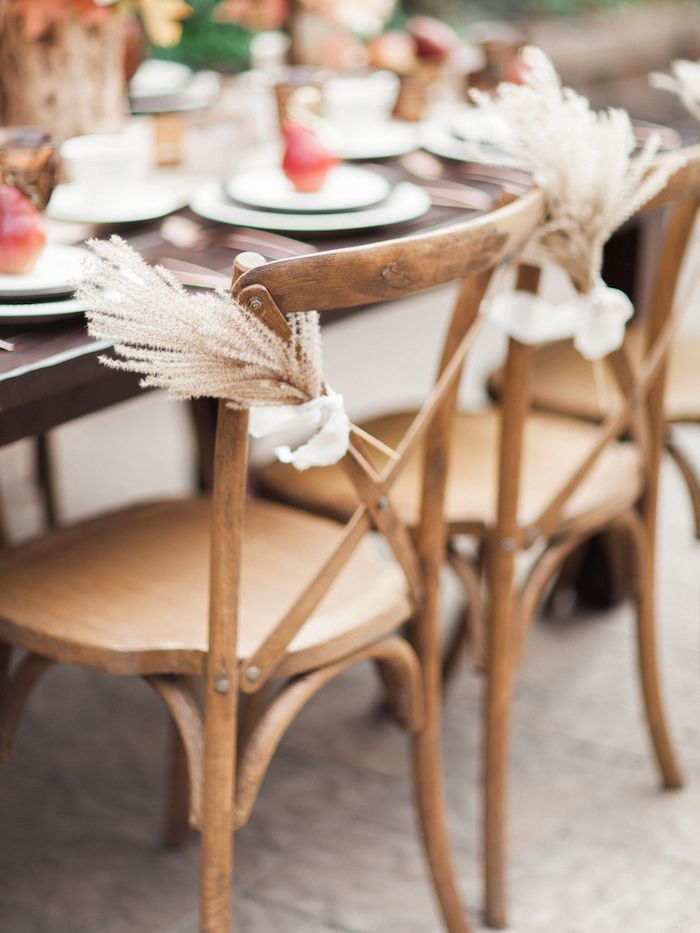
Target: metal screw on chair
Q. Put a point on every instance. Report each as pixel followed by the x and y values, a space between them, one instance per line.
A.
pixel 508 545
pixel 255 304
pixel 252 674
pixel 222 685
pixel 382 503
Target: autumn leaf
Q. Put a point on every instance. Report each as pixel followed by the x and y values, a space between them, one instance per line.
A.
pixel 162 19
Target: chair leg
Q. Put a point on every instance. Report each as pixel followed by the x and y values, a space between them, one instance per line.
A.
pixel 176 824
pixel 671 774
pixel 216 856
pixel 457 642
pixel 499 674
pixel 690 478
pixel 430 799
pixel 45 481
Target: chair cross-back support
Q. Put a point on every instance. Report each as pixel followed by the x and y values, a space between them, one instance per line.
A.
pixel 220 765
pixel 523 482
pixel 565 383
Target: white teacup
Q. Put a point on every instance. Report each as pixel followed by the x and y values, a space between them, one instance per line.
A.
pixel 105 166
pixel 360 100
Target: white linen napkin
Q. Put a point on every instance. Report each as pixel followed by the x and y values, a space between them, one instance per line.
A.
pixel 596 320
pixel 323 419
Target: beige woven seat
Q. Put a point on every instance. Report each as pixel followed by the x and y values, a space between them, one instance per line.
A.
pixel 562 381
pixel 553 448
pixel 129 591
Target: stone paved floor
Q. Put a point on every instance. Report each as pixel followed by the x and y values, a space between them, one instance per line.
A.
pixel 595 846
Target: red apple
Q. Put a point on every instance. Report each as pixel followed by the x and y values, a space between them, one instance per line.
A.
pixel 434 39
pixel 306 161
pixel 22 236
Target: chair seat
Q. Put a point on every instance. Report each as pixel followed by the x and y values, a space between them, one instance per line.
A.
pixel 553 448
pixel 564 382
pixel 128 592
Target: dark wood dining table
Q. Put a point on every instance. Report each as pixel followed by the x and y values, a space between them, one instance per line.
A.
pixel 54 375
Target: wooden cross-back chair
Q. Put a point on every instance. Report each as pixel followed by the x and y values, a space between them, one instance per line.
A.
pixel 537 484
pixel 564 382
pixel 293 599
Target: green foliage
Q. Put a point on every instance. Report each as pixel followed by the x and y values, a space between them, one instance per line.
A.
pixel 207 43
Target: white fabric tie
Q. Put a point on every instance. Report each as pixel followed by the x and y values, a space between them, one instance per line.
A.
pixel 323 419
pixel 596 321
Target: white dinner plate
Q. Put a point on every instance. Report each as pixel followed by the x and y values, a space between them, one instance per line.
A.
pixel 438 138
pixel 143 201
pixel 43 312
pixel 480 126
pixel 56 273
pixel 406 202
pixel 377 141
pixel 347 188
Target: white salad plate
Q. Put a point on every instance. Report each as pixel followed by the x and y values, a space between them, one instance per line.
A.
pixel 200 92
pixel 55 274
pixel 406 202
pixel 158 78
pixel 141 201
pixel 376 141
pixel 346 188
pixel 43 312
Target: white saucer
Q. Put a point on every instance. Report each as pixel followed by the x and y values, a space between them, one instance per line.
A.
pixel 379 141
pixel 347 188
pixel 406 202
pixel 144 201
pixel 40 312
pixel 56 273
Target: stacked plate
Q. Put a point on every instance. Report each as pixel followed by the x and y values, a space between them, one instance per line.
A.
pixel 169 87
pixel 352 198
pixel 46 293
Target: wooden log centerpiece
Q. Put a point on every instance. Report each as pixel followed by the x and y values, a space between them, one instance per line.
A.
pixel 69 80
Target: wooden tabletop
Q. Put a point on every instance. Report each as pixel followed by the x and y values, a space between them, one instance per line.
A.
pixel 54 375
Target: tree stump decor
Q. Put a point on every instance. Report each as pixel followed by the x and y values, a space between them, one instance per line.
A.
pixel 62 62
pixel 69 80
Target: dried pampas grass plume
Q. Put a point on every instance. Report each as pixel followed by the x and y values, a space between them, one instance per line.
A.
pixel 195 345
pixel 581 159
pixel 685 82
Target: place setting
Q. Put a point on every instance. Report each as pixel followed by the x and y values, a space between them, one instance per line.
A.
pixel 37 278
pixel 475 135
pixel 311 192
pixel 111 182
pixel 366 101
pixel 469 134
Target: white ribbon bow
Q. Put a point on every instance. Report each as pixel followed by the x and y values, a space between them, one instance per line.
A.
pixel 596 320
pixel 324 421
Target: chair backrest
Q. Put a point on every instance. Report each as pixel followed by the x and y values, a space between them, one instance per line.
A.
pixel 639 411
pixel 343 279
